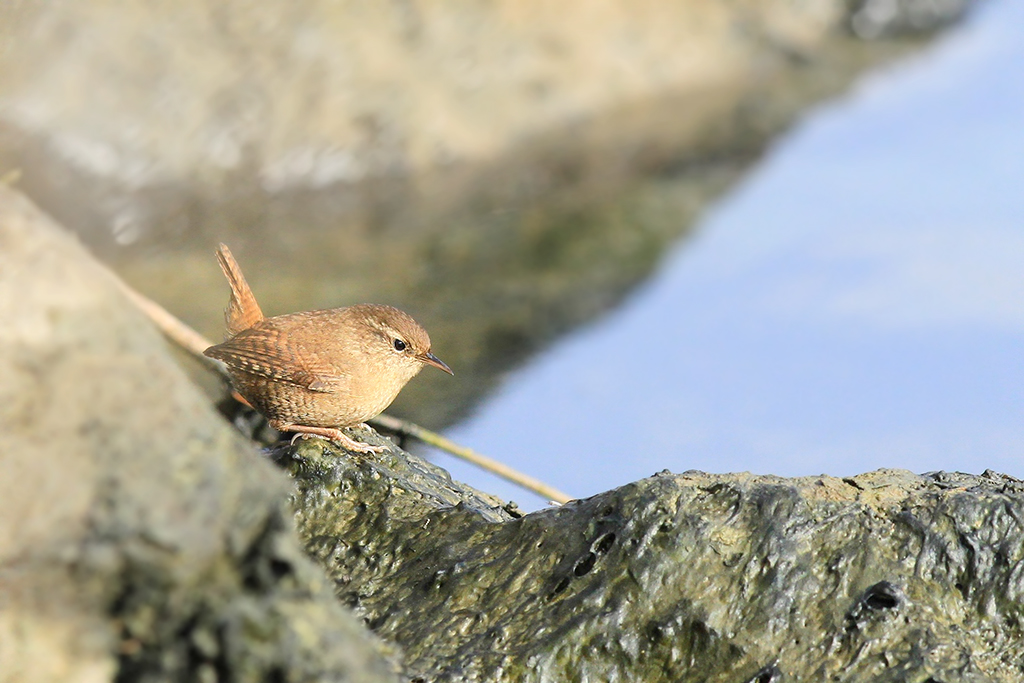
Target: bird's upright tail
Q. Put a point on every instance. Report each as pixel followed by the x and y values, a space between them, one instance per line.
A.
pixel 242 312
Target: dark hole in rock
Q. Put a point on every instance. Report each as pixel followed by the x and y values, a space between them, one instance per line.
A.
pixel 584 566
pixel 883 595
pixel 513 510
pixel 559 588
pixel 768 674
pixel 701 632
pixel 251 582
pixel 604 544
pixel 608 511
pixel 280 568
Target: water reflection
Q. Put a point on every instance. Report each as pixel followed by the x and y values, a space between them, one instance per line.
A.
pixel 857 303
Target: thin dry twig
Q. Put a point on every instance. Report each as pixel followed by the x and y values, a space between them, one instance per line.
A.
pixel 406 428
pixel 175 330
pixel 195 343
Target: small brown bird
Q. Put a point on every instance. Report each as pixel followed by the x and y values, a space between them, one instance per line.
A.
pixel 315 372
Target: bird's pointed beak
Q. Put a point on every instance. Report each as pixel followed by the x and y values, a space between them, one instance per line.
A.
pixel 431 359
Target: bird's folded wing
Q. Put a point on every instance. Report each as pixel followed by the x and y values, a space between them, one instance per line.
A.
pixel 268 354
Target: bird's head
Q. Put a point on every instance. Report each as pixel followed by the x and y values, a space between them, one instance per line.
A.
pixel 396 340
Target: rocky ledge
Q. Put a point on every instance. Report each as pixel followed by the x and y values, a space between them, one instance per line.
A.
pixel 143 541
pixel 887 576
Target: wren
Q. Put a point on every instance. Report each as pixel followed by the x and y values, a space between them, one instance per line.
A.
pixel 316 372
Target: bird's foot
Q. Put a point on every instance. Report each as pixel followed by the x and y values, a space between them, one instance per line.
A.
pixel 331 433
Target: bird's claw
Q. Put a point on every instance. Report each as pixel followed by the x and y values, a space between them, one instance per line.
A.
pixel 339 437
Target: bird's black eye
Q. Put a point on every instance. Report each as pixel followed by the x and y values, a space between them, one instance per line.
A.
pixel 399 345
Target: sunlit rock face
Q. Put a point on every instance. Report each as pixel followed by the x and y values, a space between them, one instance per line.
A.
pixel 505 171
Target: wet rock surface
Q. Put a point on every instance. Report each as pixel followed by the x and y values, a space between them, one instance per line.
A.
pixel 140 538
pixel 887 576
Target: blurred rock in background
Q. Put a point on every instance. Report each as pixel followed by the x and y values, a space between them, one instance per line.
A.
pixel 505 170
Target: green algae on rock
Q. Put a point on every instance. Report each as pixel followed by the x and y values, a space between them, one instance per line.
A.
pixel 887 576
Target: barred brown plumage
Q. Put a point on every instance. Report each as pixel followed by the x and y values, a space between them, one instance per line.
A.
pixel 316 372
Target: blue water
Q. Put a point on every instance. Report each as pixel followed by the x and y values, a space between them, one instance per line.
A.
pixel 857 302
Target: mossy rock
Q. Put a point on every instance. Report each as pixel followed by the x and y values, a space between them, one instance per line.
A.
pixel 887 576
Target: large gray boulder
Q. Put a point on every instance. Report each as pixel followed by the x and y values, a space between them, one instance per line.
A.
pixel 887 576
pixel 140 539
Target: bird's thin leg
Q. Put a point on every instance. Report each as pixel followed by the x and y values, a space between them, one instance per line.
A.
pixel 302 431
